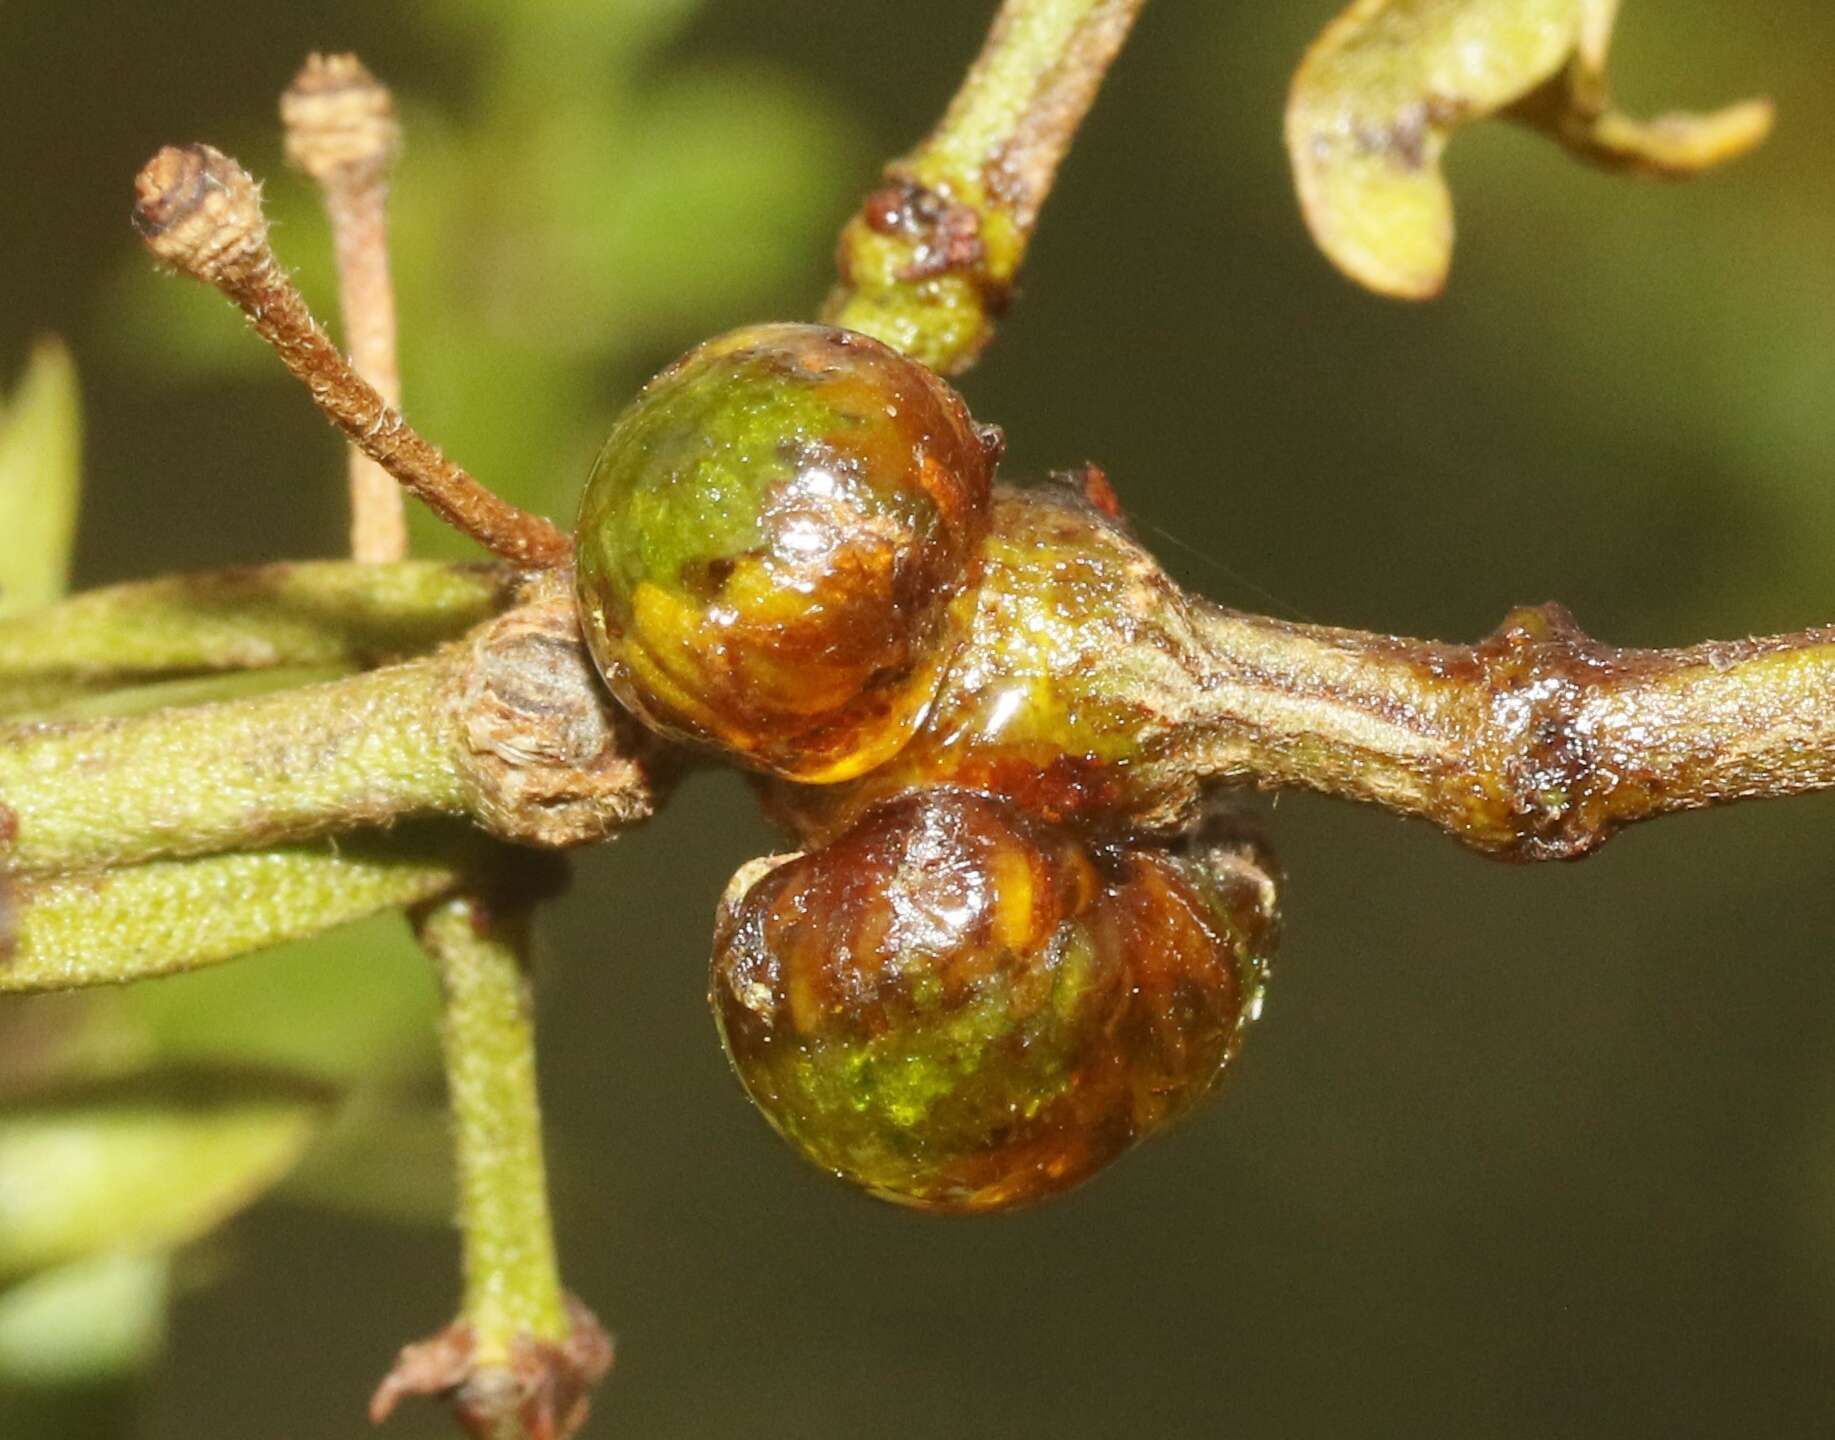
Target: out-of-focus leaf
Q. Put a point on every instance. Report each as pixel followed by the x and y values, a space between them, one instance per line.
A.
pixel 1579 114
pixel 144 1164
pixel 387 1156
pixel 91 1321
pixel 353 1011
pixel 353 1004
pixel 747 185
pixel 532 41
pixel 41 430
pixel 1382 90
pixel 54 1039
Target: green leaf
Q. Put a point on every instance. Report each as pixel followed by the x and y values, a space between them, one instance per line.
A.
pixel 145 1163
pixel 40 480
pixel 95 1320
pixel 354 1005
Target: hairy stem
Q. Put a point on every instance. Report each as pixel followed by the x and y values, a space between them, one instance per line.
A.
pixel 310 613
pixel 510 727
pixel 487 1033
pixel 367 749
pixel 109 928
pixel 522 1358
pixel 928 262
pixel 200 213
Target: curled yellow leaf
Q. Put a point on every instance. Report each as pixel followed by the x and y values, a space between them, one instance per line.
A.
pixel 1382 90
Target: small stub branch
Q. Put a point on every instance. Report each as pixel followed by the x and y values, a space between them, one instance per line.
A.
pixel 200 213
pixel 341 130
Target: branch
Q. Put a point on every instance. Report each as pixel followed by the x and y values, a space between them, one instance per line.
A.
pixel 68 932
pixel 927 264
pixel 1091 686
pixel 1094 688
pixel 522 1357
pixel 511 729
pixel 363 750
pixel 1539 743
pixel 304 614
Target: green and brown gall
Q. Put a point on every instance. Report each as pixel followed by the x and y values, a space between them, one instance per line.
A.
pixel 779 544
pixel 959 1007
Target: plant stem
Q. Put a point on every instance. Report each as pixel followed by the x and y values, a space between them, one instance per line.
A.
pixel 487 1033
pixel 367 749
pixel 928 262
pixel 1094 689
pixel 304 614
pixel 341 130
pixel 192 690
pixel 511 728
pixel 1536 744
pixel 68 932
pixel 521 1360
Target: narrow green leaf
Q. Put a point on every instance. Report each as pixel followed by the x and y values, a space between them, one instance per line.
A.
pixel 66 932
pixel 40 480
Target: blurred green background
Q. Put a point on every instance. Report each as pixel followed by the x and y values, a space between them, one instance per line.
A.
pixel 1514 1152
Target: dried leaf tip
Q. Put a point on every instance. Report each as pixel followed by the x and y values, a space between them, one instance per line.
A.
pixel 340 122
pixel 200 213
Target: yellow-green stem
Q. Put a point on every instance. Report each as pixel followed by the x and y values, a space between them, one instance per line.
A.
pixel 512 1287
pixel 927 264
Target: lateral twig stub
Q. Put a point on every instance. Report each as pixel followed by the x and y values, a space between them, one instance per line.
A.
pixel 341 130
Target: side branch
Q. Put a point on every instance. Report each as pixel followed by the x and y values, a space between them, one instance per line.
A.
pixel 510 729
pixel 522 1358
pixel 1536 744
pixel 927 264
pixel 200 213
pixel 341 130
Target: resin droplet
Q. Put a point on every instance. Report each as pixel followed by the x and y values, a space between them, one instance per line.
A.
pixel 957 1007
pixel 778 547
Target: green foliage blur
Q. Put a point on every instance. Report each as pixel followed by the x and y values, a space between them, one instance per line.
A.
pixel 1515 1152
